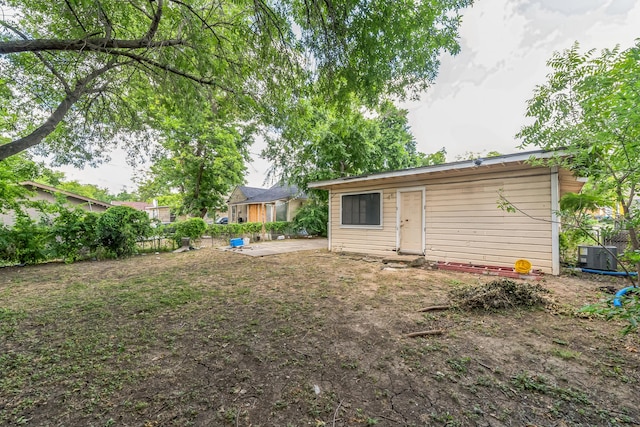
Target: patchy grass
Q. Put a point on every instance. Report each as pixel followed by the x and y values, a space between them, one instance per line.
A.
pixel 313 338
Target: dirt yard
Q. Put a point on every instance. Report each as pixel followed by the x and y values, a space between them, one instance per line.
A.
pixel 208 338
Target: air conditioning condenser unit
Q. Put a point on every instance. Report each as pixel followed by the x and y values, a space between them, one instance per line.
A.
pixel 598 257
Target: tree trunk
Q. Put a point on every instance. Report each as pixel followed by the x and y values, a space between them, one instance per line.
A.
pixel 633 234
pixel 200 153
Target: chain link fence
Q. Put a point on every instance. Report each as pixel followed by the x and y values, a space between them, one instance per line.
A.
pixel 619 239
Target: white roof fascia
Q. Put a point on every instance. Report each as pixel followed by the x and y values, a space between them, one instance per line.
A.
pixel 467 164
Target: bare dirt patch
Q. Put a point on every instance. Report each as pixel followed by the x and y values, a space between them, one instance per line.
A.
pixel 312 338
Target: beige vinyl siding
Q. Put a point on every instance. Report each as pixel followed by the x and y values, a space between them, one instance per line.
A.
pixel 462 220
pixel 235 212
pixel 294 205
pixel 237 196
pixel 164 214
pixel 464 223
pixel 8 218
pixel 70 201
pixel 160 213
pixel 363 239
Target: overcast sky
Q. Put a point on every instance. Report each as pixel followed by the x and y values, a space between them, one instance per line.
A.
pixel 479 98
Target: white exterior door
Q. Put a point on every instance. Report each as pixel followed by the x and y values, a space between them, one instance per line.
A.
pixel 411 221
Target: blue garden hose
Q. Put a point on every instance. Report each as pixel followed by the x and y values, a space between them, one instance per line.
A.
pixel 608 273
pixel 617 300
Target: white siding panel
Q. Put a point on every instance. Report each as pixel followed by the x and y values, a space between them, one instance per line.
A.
pixel 463 221
pixel 498 230
pixel 466 225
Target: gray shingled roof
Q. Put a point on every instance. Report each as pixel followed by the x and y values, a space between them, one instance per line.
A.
pixel 276 193
pixel 261 195
pixel 250 192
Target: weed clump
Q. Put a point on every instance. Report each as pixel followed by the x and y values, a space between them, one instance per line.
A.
pixel 499 294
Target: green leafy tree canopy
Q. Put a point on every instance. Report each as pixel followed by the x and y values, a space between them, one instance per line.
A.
pixel 73 71
pixel 589 108
pixel 318 141
pixel 202 153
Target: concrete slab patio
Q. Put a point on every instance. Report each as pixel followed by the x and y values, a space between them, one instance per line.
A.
pixel 275 247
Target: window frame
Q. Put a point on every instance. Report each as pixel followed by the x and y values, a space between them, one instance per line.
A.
pixel 363 226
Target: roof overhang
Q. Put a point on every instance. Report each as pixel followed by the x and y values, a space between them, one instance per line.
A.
pixel 454 166
pixel 51 189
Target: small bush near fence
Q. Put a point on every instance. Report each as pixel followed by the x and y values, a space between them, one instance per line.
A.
pixel 73 234
pixel 313 218
pixel 120 227
pixel 192 228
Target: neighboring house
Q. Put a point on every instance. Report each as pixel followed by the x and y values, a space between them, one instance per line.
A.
pixel 251 204
pixel 161 213
pixel 42 192
pixel 450 212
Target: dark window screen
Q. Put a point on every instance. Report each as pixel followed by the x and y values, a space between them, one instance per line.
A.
pixel 281 211
pixel 361 209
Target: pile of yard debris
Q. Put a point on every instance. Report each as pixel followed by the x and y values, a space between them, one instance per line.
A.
pixel 499 294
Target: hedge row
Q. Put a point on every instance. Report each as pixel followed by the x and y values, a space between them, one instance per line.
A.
pixel 74 234
pixel 250 229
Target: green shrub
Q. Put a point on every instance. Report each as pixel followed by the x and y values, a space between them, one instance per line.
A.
pixel 120 227
pixel 72 232
pixel 192 228
pixel 569 240
pixel 278 227
pixel 312 217
pixel 252 229
pixel 235 229
pixel 5 240
pixel 218 230
pixel 25 242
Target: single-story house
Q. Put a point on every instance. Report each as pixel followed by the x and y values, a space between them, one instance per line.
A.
pixel 450 213
pixel 42 192
pixel 278 203
pixel 155 212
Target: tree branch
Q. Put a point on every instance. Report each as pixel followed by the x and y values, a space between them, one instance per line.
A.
pixel 144 12
pixel 204 21
pixel 108 26
pixel 168 68
pixel 36 137
pixel 46 63
pixel 153 28
pixel 260 4
pixel 75 15
pixel 95 44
